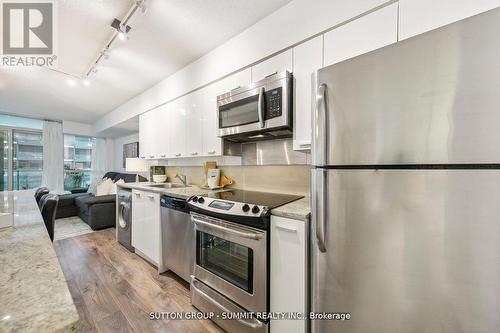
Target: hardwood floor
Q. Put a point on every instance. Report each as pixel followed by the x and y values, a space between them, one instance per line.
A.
pixel 114 290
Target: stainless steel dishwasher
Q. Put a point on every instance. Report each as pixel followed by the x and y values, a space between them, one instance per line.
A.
pixel 177 237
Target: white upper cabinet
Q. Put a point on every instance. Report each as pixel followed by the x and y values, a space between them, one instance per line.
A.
pixel 212 144
pixel 365 34
pixel 307 58
pixel 161 129
pixel 279 63
pixel 177 118
pixel 194 125
pixel 146 135
pixel 419 16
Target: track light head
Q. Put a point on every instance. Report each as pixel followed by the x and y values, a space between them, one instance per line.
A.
pixel 122 30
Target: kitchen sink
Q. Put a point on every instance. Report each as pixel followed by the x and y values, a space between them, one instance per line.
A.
pixel 169 185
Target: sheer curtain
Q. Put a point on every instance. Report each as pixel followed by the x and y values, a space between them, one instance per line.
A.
pixel 53 156
pixel 99 159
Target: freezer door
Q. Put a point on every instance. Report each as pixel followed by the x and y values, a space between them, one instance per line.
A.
pixel 431 99
pixel 408 251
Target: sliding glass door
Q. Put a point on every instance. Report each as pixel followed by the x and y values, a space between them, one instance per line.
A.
pixel 27 163
pixel 4 159
pixel 21 161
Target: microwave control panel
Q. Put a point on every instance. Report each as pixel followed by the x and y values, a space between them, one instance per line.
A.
pixel 273 103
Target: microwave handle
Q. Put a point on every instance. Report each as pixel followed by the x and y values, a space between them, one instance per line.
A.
pixel 260 107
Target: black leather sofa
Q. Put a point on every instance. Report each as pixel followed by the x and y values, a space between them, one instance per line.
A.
pixel 98 212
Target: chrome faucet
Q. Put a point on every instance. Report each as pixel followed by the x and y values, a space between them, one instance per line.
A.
pixel 182 178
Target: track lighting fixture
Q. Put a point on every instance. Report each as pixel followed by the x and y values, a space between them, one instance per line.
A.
pixel 121 32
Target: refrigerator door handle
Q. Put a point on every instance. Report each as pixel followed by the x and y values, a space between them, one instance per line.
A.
pixel 319 123
pixel 319 199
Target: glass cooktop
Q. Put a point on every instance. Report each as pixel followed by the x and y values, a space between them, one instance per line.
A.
pixel 271 200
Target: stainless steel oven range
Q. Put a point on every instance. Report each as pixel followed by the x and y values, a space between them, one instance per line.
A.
pixel 231 270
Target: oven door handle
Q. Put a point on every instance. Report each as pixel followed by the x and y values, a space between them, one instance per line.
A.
pixel 249 235
pixel 260 107
pixel 255 325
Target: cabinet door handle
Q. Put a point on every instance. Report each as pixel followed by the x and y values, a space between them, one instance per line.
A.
pixel 151 156
pixel 286 228
pixel 177 155
pixel 238 87
pixel 143 157
pixel 270 74
pixel 163 156
pixel 304 145
pixel 212 152
pixel 151 196
pixel 194 153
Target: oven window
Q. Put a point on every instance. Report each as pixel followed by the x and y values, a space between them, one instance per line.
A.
pixel 230 261
pixel 239 113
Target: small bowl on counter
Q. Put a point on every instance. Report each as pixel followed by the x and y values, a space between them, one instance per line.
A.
pixel 159 178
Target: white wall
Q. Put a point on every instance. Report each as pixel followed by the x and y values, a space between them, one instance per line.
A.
pixel 71 127
pixel 289 25
pixel 118 150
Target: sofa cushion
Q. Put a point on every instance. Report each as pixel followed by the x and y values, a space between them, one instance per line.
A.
pixel 81 203
pixel 104 188
pixel 110 175
pixel 128 178
pixel 69 199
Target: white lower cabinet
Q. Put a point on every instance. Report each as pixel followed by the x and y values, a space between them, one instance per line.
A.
pixel 146 225
pixel 288 283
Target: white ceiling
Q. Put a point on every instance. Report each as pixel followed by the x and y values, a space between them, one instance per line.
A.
pixel 170 35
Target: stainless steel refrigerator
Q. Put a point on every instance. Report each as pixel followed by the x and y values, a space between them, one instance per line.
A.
pixel 406 185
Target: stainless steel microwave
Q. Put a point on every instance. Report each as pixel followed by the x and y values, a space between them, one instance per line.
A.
pixel 262 110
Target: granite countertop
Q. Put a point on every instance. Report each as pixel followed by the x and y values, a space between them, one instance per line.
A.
pixel 182 193
pixel 34 296
pixel 297 210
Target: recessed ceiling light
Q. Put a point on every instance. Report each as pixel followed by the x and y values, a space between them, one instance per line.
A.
pixel 71 82
pixel 86 83
pixel 122 36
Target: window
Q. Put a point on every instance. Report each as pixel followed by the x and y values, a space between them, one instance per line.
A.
pixel 27 163
pixel 21 160
pixel 77 161
pixel 4 159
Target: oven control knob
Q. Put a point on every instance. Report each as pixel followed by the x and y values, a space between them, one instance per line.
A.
pixel 255 209
pixel 195 199
pixel 201 200
pixel 245 208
